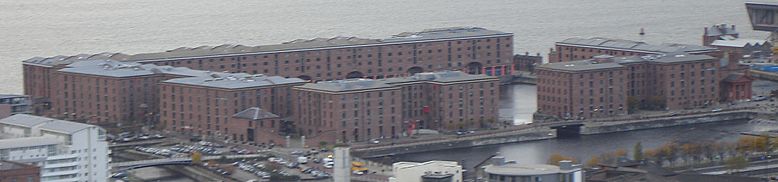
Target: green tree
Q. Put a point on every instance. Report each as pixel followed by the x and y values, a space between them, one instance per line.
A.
pixel 637 152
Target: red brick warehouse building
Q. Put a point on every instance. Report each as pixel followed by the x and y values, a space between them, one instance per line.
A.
pixel 606 86
pixel 580 48
pixel 235 106
pixel 472 49
pixel 15 171
pixel 363 109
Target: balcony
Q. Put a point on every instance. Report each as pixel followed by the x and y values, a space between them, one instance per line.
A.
pixel 63 156
pixel 60 173
pixel 63 164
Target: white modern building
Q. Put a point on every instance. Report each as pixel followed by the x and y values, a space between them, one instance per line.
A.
pixel 508 171
pixel 65 151
pixel 431 171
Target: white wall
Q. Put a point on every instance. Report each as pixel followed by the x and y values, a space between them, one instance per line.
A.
pixel 412 172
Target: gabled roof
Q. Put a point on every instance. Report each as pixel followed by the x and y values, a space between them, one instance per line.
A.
pixel 635 45
pixel 295 45
pixel 739 43
pixel 234 80
pixel 353 84
pixel 255 113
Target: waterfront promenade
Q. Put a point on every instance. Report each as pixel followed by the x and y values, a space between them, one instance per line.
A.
pixel 542 130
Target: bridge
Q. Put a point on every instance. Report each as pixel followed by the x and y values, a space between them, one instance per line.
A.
pixel 129 165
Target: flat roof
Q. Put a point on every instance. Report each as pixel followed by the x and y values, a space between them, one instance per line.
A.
pixel 25 120
pixel 299 44
pixel 44 123
pixel 512 169
pixel 417 164
pixel 353 84
pixel 27 142
pixel 439 77
pixel 234 80
pixel 635 45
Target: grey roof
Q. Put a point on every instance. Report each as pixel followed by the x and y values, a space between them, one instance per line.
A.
pixel 739 43
pixel 513 169
pixel 255 113
pixel 65 127
pixel 439 77
pixel 44 123
pixel 443 33
pixel 25 120
pixel 581 65
pixel 672 58
pixel 364 84
pixel 66 60
pixel 299 44
pixel 234 80
pixel 353 84
pixel 636 46
pixel 721 29
pixel 618 62
pixel 27 142
pixel 126 69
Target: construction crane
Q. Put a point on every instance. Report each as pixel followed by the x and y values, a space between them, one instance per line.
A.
pixel 764 17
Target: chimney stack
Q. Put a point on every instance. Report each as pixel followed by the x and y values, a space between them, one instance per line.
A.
pixel 706 31
pixel 733 27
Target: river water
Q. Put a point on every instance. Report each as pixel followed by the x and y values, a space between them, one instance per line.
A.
pixel 30 28
pixel 586 146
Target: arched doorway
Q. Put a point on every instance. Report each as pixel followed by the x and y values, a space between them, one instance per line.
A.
pixel 305 77
pixel 414 70
pixel 474 68
pixel 355 74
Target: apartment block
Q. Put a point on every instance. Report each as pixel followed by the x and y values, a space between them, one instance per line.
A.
pixel 64 150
